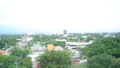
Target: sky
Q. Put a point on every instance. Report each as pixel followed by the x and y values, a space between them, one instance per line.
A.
pixel 53 16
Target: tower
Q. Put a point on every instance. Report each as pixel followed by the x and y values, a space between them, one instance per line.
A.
pixel 65 33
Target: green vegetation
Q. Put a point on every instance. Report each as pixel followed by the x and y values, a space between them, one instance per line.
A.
pixel 100 61
pixel 89 38
pixel 109 45
pixel 13 62
pixel 78 66
pixel 9 40
pixel 20 53
pixel 57 43
pixel 18 58
pixel 100 53
pixel 116 63
pixel 79 48
pixel 55 59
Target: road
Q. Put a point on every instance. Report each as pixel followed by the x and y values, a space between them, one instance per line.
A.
pixel 23 43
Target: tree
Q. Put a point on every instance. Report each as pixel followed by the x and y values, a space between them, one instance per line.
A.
pixel 116 62
pixel 55 59
pixel 100 61
pixel 79 48
pixel 82 39
pixel 57 43
pixel 109 45
pixel 2 59
pixel 10 61
pixel 20 53
pixel 26 62
pixel 13 62
pixel 89 38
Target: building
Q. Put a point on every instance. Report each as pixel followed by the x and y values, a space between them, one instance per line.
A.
pixel 61 40
pixel 59 48
pixel 2 52
pixel 52 47
pixel 109 35
pixel 29 38
pixel 72 45
pixel 65 33
pixel 84 37
pixel 29 33
pixel 37 50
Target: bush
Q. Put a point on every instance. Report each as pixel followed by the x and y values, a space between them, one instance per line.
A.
pixel 100 61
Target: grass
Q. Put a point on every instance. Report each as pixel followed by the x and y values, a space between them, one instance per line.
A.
pixel 78 66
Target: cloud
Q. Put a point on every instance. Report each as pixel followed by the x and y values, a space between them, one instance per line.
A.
pixel 62 14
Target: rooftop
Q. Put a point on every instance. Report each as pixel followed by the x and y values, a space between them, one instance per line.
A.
pixel 2 52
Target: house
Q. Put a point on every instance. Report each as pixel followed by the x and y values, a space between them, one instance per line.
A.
pixel 2 52
pixel 61 40
pixel 59 48
pixel 36 50
pixel 52 47
pixel 109 35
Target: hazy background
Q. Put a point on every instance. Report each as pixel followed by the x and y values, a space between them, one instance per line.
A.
pixel 47 16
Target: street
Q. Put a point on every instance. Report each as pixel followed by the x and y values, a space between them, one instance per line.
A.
pixel 23 43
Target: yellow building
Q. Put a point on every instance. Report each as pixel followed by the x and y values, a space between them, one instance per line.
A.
pixel 51 47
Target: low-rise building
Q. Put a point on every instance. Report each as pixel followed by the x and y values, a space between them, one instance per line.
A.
pixel 84 37
pixel 2 52
pixel 37 50
pixel 72 45
pixel 52 47
pixel 61 40
pixel 59 48
pixel 109 36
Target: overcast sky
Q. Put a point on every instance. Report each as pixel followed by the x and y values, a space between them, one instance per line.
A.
pixel 48 16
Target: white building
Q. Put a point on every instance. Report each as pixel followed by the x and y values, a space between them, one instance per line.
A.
pixel 61 40
pixel 29 38
pixel 72 45
pixel 59 48
pixel 29 33
pixel 84 37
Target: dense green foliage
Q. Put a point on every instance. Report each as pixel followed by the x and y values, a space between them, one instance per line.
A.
pixel 89 38
pixel 100 61
pixel 116 62
pixel 79 48
pixel 107 45
pixel 18 58
pixel 55 59
pixel 2 59
pixel 13 62
pixel 9 40
pixel 20 53
pixel 57 43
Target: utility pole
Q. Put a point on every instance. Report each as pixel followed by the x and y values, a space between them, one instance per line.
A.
pixel 16 63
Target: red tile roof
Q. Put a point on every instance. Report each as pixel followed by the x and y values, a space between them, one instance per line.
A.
pixel 2 52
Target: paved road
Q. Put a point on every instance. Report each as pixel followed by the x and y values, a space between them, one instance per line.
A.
pixel 23 43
